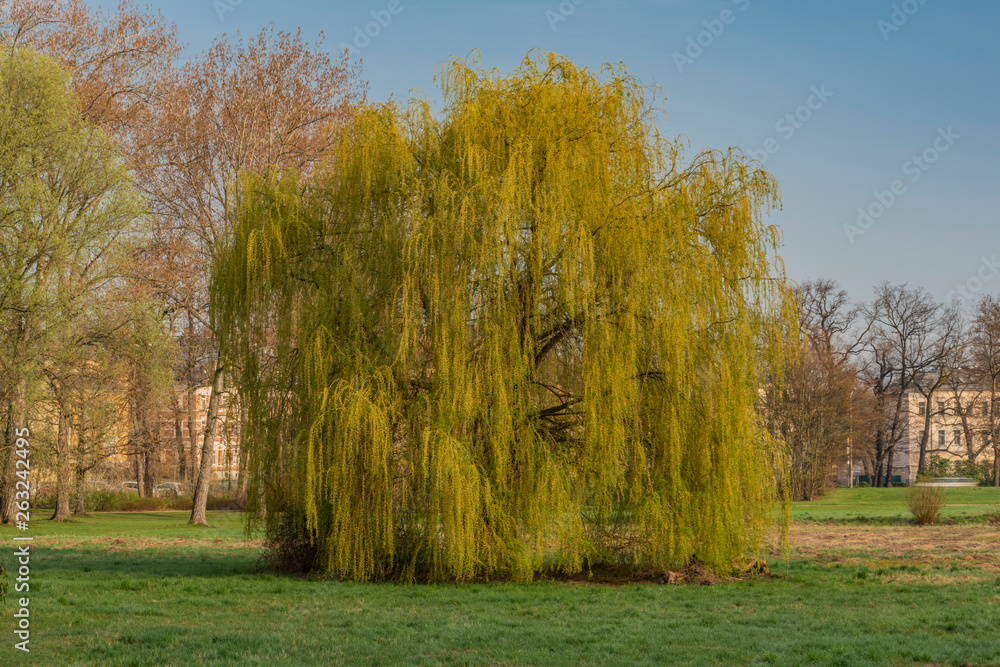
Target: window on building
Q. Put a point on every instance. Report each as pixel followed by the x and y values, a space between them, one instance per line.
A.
pixel 922 408
pixel 941 438
pixel 940 406
pixel 958 438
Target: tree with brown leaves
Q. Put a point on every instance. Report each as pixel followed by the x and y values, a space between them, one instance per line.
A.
pixel 117 60
pixel 269 102
pixel 819 406
pixel 114 64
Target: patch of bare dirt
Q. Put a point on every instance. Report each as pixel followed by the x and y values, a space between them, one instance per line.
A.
pixel 118 544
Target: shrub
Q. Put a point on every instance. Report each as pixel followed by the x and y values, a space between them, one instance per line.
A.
pixel 286 551
pixel 133 503
pixel 181 503
pixel 924 502
pixel 937 467
pixel 981 472
pixel 104 500
pixel 225 501
pixel 44 501
pixel 222 501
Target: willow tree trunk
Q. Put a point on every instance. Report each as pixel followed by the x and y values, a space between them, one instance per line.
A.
pixel 62 469
pixel 207 450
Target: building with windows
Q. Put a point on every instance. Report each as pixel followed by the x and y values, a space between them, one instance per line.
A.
pixel 953 422
pixel 175 433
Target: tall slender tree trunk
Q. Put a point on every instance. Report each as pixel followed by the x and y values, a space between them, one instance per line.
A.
pixel 192 433
pixel 996 465
pixel 868 468
pixel 17 418
pixel 888 468
pixel 241 456
pixel 7 506
pixel 147 473
pixel 62 468
pixel 137 469
pixel 207 450
pixel 922 462
pixel 81 471
pixel 81 496
pixel 241 478
pixel 179 437
pixel 879 464
pixel 150 447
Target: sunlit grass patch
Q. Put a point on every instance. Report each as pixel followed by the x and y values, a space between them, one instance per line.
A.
pixel 173 595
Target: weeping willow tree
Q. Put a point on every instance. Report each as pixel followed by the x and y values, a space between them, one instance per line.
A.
pixel 518 336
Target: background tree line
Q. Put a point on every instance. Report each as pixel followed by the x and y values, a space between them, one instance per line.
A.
pixel 122 166
pixel 119 163
pixel 845 397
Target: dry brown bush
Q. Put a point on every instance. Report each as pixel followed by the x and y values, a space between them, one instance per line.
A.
pixel 924 502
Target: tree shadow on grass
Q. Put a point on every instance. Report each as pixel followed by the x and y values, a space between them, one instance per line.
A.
pixel 120 559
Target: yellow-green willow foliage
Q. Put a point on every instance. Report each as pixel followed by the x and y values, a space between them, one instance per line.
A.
pixel 516 337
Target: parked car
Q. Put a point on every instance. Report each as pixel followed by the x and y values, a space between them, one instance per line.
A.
pixel 171 490
pixel 130 487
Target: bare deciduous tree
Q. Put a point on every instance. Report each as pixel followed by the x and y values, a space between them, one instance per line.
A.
pixel 819 407
pixel 269 102
pixel 985 357
pixel 905 336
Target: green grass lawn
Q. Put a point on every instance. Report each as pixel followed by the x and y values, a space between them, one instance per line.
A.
pixel 870 504
pixel 145 589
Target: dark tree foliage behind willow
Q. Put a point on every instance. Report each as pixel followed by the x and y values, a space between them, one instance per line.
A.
pixel 516 337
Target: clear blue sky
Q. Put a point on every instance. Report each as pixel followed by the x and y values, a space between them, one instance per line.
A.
pixel 897 87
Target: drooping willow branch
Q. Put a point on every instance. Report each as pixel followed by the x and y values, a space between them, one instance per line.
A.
pixel 508 338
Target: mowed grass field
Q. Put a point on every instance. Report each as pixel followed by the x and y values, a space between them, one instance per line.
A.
pixel 889 505
pixel 145 589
